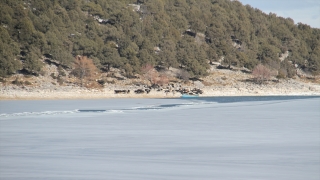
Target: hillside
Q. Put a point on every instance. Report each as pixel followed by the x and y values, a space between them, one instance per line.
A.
pixel 129 35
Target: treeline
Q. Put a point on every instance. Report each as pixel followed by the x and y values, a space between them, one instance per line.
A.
pixel 170 33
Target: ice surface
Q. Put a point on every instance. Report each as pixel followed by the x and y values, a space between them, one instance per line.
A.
pixel 205 138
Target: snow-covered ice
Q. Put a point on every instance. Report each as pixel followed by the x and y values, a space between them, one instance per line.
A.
pixel 228 138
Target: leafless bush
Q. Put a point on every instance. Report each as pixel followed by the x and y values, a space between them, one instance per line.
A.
pixel 261 73
pixel 146 69
pixel 149 73
pixel 84 68
pixel 154 76
pixel 162 80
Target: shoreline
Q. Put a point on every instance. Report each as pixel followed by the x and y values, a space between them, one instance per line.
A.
pixel 220 83
pixel 79 93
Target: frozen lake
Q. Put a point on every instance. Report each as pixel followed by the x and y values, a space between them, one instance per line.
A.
pixel 226 138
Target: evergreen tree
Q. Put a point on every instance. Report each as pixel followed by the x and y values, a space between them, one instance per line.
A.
pixel 115 35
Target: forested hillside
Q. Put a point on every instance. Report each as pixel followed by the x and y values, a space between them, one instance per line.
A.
pixel 129 34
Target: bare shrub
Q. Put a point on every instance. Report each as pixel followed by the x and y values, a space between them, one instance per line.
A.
pixel 261 73
pixel 162 80
pixel 151 74
pixel 84 68
pixel 146 68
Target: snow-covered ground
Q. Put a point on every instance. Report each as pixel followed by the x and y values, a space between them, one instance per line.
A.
pixel 207 138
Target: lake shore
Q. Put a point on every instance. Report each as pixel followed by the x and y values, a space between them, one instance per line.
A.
pixel 285 88
pixel 219 82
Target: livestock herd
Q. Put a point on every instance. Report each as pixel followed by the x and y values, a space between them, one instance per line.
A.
pixel 169 89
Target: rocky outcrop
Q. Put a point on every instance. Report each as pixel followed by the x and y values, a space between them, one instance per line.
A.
pixel 284 56
pixel 135 7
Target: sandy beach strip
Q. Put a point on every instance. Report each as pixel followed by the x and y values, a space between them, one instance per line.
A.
pixel 37 94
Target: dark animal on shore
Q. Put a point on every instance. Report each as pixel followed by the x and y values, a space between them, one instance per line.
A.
pixel 193 91
pixel 147 90
pixel 139 91
pixel 121 91
pixel 155 86
pixel 196 91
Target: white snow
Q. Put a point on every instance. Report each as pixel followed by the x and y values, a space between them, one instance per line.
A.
pixel 197 139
